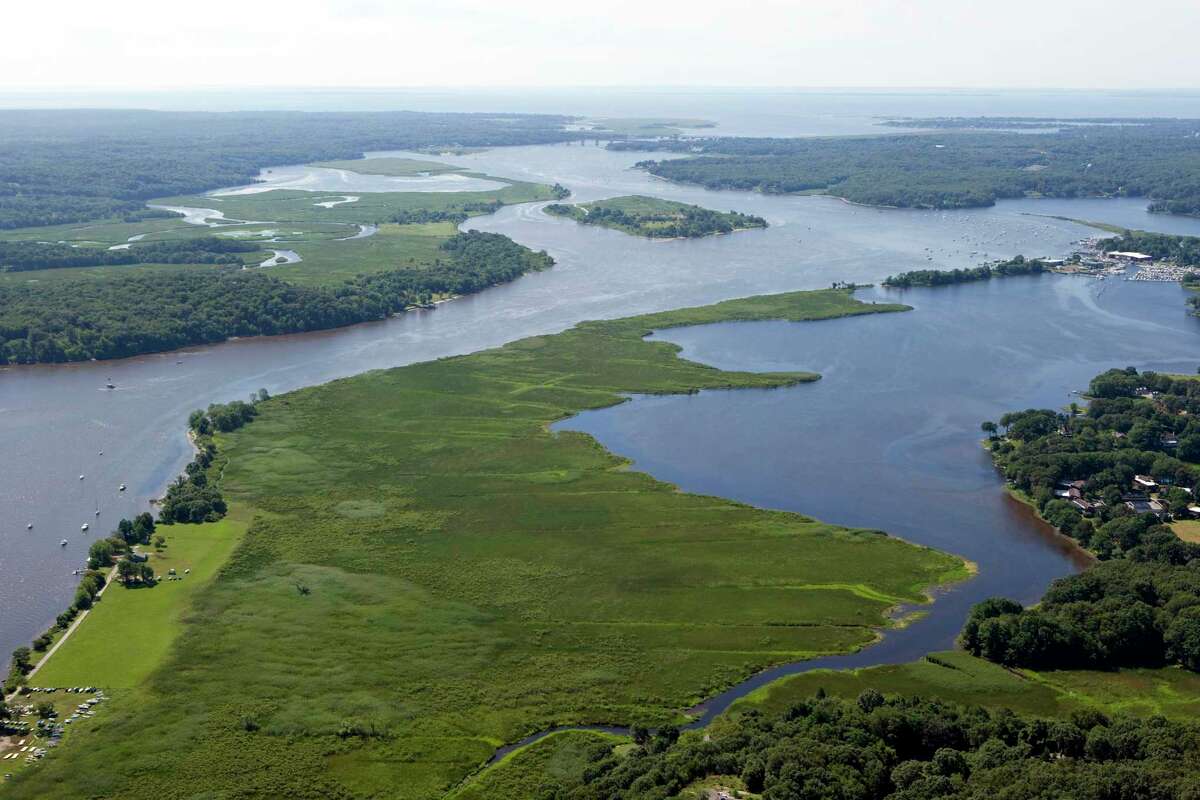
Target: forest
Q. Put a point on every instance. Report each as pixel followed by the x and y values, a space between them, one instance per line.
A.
pixel 1110 477
pixel 1018 265
pixel 59 166
pixel 899 748
pixel 1158 159
pixel 23 256
pixel 145 313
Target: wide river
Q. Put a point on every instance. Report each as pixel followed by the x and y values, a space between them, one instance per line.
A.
pixel 886 440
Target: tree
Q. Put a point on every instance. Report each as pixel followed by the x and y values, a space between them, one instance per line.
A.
pixel 126 570
pixel 100 554
pixel 143 527
pixel 1183 642
pixel 869 700
pixel 990 428
pixel 20 660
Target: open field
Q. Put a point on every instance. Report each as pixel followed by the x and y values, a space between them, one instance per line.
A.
pixel 1187 529
pixel 430 572
pixel 395 167
pixel 328 263
pixel 127 635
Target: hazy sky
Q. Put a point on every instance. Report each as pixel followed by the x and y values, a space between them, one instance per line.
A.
pixel 397 43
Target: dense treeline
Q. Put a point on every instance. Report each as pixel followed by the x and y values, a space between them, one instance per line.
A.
pixel 1140 611
pixel 76 165
pixel 1108 477
pixel 1158 159
pixel 901 748
pixel 191 498
pixel 1018 265
pixel 129 315
pixel 22 256
pixel 1182 250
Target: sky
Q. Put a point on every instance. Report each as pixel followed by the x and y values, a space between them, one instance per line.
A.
pixel 151 44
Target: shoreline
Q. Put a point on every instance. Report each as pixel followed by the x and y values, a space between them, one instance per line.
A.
pixel 958 570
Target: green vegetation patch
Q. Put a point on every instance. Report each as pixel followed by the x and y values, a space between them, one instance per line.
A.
pixel 396 167
pixel 128 634
pixel 331 262
pixel 552 763
pixel 655 217
pixel 481 606
pixel 296 206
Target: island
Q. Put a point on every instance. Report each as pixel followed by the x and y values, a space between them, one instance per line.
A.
pixel 1018 265
pixel 656 218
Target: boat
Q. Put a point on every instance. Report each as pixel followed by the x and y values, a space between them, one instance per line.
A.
pixel 29 526
pixel 109 384
pixel 63 543
pixel 122 487
pixel 83 527
pixel 80 477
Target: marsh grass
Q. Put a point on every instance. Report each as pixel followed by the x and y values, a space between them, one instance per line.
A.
pixel 473 577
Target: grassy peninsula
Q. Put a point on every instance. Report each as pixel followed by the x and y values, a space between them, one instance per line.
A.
pixel 655 217
pixel 394 167
pixel 428 572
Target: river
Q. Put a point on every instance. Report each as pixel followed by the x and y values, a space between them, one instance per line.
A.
pixel 56 420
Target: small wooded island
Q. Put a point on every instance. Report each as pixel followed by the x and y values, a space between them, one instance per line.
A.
pixel 655 217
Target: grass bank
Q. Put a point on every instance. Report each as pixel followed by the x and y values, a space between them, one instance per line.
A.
pixel 431 572
pixel 958 677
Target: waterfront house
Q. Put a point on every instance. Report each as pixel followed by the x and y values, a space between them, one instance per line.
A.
pixel 1144 483
pixel 1086 508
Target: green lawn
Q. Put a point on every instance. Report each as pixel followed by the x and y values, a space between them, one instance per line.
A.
pixel 130 632
pixel 396 167
pixel 431 572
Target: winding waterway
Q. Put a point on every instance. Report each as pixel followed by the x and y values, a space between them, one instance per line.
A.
pixel 56 420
